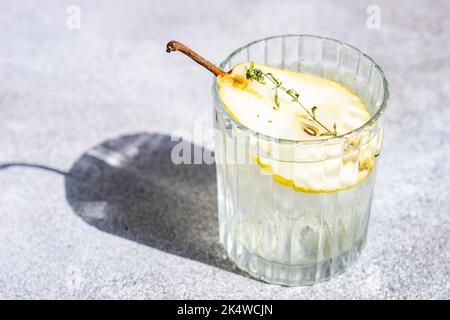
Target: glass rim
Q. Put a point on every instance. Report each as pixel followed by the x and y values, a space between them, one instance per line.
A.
pixel 373 119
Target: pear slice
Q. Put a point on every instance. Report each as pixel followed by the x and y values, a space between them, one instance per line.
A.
pixel 316 169
pixel 252 103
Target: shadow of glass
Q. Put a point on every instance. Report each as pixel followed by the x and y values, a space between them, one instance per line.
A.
pixel 130 187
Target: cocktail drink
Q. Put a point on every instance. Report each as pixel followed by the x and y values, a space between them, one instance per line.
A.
pixel 299 122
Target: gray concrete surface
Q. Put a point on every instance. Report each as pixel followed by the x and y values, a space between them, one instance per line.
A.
pixel 119 221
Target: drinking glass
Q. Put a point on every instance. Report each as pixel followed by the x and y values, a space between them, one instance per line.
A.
pixel 299 231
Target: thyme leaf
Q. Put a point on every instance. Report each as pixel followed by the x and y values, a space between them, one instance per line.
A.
pixel 259 76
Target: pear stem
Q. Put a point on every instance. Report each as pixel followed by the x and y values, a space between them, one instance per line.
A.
pixel 177 46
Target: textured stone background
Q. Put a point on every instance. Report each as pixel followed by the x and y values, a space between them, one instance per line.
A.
pixel 91 208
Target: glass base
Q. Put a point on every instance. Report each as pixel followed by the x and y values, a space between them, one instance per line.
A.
pixel 291 275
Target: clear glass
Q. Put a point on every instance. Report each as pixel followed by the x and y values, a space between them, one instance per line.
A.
pixel 284 234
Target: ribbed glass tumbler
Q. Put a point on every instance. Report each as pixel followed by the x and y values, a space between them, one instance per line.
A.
pixel 307 228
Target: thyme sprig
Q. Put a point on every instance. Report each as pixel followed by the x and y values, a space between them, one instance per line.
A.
pixel 260 76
